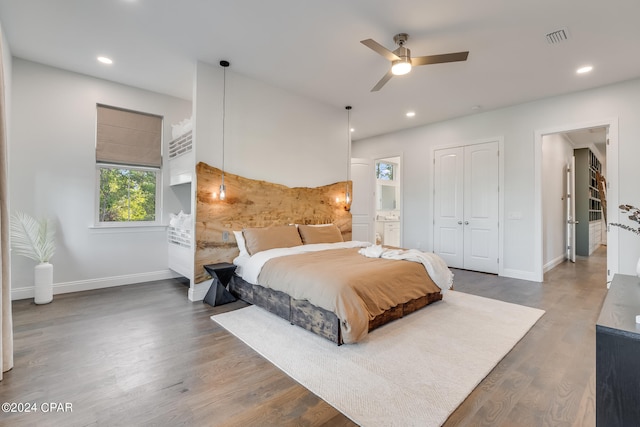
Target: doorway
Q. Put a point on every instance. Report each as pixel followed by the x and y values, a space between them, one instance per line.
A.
pixel 609 154
pixel 388 203
pixel 573 205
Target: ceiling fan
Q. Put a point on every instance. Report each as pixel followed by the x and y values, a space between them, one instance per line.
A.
pixel 401 61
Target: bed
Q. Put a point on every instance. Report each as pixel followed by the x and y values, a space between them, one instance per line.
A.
pixel 338 290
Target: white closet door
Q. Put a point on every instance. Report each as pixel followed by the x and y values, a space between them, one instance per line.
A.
pixel 362 207
pixel 448 229
pixel 481 207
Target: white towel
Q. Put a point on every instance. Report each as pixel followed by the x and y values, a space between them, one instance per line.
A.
pixel 434 264
pixel 373 251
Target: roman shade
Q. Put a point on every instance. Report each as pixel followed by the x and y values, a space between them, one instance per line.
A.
pixel 129 138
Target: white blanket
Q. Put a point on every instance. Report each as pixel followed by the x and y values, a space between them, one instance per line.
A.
pixel 251 267
pixel 434 264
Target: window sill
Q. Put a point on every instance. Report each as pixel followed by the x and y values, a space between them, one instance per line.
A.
pixel 128 228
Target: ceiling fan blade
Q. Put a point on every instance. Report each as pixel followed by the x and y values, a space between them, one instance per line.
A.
pixel 374 45
pixel 439 59
pixel 382 81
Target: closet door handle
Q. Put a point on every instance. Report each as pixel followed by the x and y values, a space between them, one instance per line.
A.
pixel 466 223
pixel 459 222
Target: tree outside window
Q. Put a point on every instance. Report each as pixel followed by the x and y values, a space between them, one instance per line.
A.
pixel 384 171
pixel 127 195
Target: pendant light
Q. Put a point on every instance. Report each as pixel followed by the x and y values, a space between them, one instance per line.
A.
pixel 347 196
pixel 224 65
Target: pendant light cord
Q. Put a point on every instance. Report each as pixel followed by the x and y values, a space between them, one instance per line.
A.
pixel 224 109
pixel 348 108
pixel 223 64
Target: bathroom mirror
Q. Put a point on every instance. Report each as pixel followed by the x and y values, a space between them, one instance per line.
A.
pixel 387 197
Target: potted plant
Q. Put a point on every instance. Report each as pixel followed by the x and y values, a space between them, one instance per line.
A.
pixel 634 215
pixel 35 239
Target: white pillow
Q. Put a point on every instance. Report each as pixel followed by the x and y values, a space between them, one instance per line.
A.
pixel 241 244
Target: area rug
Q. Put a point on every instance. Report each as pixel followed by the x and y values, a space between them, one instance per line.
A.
pixel 414 371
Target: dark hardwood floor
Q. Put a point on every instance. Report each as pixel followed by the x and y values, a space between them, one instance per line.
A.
pixel 145 355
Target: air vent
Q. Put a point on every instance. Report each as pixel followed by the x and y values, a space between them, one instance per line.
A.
pixel 558 36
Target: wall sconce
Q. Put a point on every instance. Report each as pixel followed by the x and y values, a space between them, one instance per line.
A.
pixel 344 201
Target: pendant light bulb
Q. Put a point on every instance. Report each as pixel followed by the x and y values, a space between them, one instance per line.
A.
pixel 222 192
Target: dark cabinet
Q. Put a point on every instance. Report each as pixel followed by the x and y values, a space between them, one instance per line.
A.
pixel 618 355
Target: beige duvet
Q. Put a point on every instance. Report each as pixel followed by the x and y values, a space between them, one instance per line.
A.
pixel 352 286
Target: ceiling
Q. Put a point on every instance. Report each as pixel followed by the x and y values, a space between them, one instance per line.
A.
pixel 313 48
pixel 589 137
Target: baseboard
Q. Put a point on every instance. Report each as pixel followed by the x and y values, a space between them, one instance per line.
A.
pixel 520 274
pixel 104 282
pixel 198 291
pixel 554 263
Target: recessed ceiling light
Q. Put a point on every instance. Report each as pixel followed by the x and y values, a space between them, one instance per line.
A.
pixel 352 130
pixel 411 114
pixel 584 69
pixel 476 107
pixel 105 60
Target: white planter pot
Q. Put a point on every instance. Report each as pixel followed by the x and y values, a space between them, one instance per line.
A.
pixel 43 283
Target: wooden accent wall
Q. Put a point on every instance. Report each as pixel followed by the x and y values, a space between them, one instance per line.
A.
pixel 253 203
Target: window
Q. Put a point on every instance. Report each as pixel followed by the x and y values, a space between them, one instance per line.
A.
pixel 385 171
pixel 128 162
pixel 127 194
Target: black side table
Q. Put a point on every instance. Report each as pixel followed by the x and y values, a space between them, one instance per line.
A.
pixel 221 274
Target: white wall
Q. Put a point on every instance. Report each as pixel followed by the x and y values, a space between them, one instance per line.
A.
pixel 52 174
pixel 517 125
pixel 557 152
pixel 270 134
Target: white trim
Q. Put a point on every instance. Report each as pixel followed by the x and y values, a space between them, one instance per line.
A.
pixel 501 225
pixel 198 291
pixel 519 274
pixel 159 172
pixel 128 227
pixel 612 175
pixel 554 262
pixel 90 284
pixel 398 182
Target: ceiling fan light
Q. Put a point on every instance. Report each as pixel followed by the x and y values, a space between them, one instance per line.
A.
pixel 585 69
pixel 401 67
